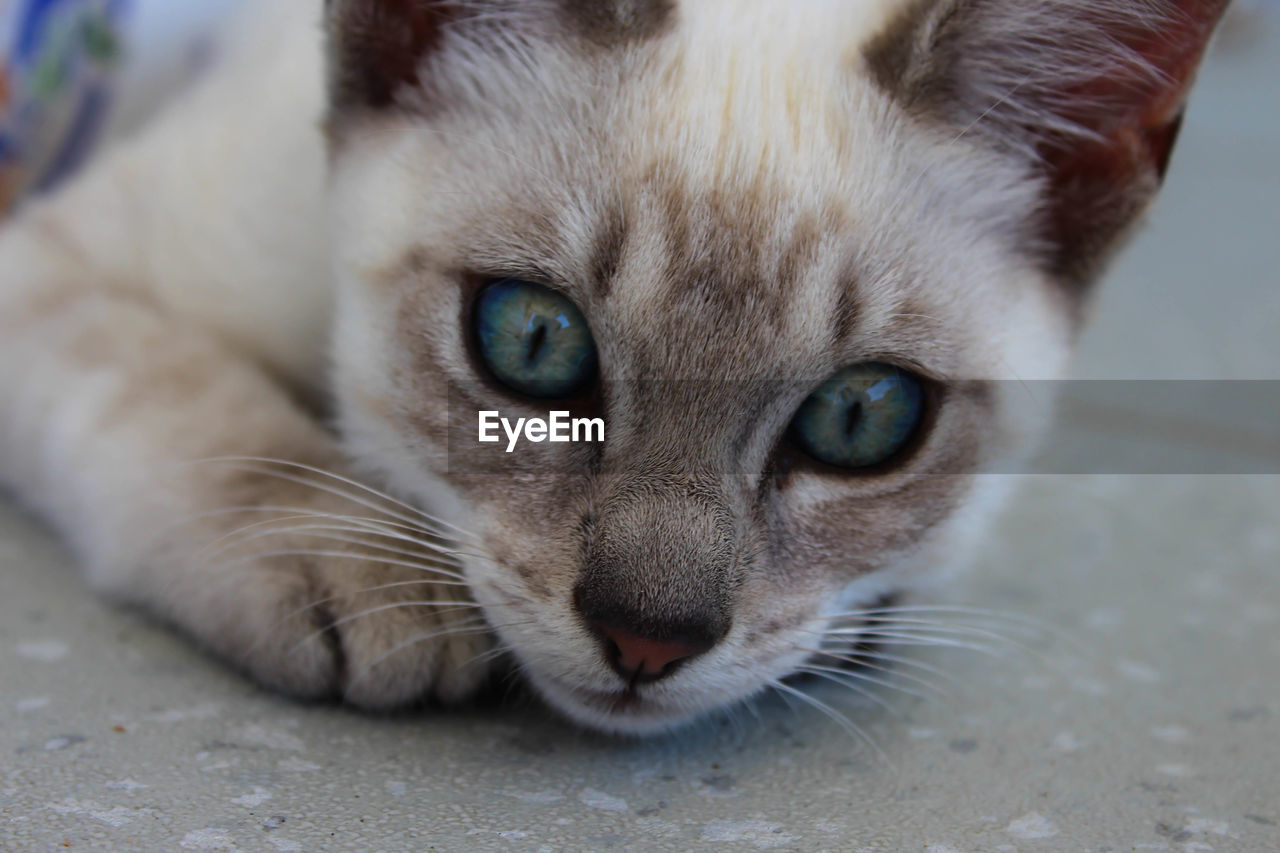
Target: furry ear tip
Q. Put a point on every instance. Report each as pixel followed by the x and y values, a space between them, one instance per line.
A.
pixel 376 46
pixel 1092 93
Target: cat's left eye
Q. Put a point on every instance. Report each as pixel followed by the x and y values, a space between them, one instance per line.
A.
pixel 863 416
pixel 533 339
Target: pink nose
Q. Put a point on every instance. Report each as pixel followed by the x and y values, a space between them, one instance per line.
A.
pixel 638 658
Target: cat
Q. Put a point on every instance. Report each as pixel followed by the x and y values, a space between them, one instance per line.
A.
pixel 783 252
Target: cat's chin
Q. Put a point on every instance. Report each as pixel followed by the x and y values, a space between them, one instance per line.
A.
pixel 617 713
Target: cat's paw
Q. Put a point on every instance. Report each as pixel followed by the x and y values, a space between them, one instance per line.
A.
pixel 398 637
pixel 335 623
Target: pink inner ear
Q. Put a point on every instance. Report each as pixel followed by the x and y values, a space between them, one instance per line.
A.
pixel 1136 112
pixel 1100 184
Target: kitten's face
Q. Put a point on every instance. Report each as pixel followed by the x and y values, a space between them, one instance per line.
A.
pixel 739 211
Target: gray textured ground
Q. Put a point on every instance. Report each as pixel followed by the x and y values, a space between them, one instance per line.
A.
pixel 1161 733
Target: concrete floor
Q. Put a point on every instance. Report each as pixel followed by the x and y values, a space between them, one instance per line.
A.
pixel 1146 715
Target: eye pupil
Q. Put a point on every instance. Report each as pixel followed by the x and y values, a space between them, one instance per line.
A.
pixel 536 340
pixel 533 339
pixel 861 417
pixel 853 419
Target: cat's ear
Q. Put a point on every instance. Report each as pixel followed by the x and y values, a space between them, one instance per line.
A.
pixel 379 48
pixel 1092 92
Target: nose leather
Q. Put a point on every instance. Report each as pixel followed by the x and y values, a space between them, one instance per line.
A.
pixel 639 658
pixel 656 583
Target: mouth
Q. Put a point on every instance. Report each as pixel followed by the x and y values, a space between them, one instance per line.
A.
pixel 614 702
pixel 625 711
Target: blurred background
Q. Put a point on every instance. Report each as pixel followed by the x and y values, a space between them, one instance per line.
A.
pixel 76 72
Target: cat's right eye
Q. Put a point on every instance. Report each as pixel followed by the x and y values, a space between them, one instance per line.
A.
pixel 533 340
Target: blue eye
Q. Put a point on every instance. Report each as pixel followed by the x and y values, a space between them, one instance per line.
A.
pixel 534 340
pixel 862 416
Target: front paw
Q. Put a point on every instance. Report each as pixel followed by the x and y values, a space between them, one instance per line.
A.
pixel 396 637
pixel 382 624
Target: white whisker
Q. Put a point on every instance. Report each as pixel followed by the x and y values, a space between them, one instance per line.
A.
pixel 245 464
pixel 341 555
pixel 925 628
pixel 905 639
pixel 872 679
pixel 337 623
pixel 484 657
pixel 353 523
pixel 851 728
pixel 320 602
pixel 464 628
pixel 835 676
pixel 1036 626
pixel 442 568
pixel 899 620
pixel 426 516
pixel 865 659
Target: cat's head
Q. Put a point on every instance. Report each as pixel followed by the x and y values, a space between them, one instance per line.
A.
pixel 785 251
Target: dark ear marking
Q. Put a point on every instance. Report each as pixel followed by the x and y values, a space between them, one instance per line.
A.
pixel 1090 93
pixel 377 46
